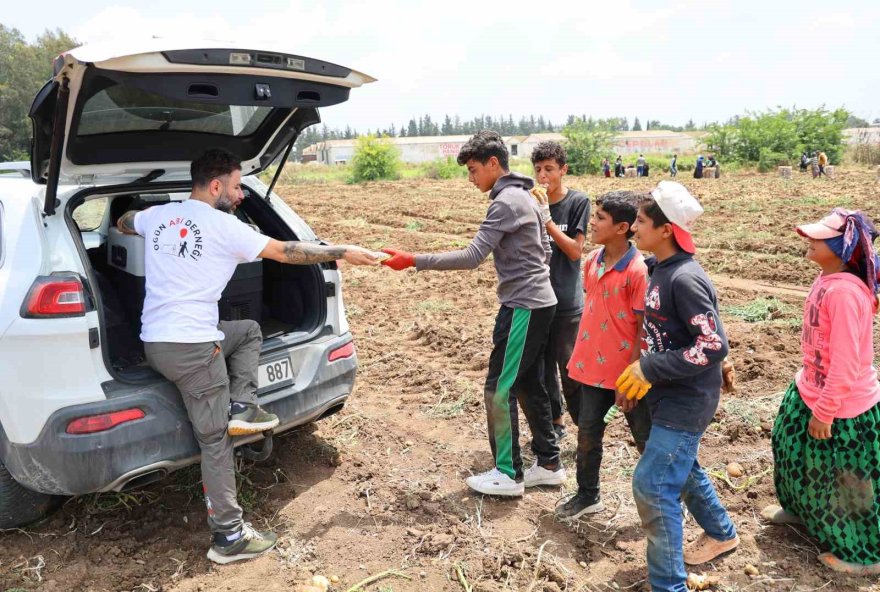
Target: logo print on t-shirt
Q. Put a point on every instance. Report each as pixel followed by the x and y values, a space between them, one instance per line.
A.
pixel 186 242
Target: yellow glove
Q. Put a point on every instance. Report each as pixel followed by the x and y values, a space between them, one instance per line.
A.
pixel 632 382
pixel 539 192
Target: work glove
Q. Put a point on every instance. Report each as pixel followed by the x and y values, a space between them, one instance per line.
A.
pixel 539 192
pixel 399 260
pixel 632 382
pixel 728 375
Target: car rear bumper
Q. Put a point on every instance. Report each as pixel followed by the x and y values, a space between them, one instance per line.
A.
pixel 143 450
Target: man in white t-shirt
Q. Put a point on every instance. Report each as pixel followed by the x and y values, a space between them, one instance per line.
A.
pixel 192 250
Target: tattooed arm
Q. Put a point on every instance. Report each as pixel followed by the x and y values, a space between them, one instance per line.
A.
pixel 125 223
pixel 301 253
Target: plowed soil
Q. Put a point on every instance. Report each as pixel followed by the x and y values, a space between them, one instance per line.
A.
pixel 380 486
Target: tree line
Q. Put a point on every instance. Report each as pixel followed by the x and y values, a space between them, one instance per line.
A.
pixel 24 69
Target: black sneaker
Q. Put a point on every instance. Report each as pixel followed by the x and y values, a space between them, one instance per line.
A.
pixel 248 544
pixel 579 505
pixel 247 419
pixel 560 431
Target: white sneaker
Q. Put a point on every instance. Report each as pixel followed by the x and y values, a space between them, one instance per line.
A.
pixel 494 482
pixel 538 475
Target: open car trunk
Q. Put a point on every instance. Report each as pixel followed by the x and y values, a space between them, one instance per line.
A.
pixel 286 300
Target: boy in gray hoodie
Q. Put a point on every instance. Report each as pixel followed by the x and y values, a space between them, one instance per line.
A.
pixel 514 233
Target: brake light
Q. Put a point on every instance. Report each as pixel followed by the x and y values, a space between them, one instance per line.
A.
pixel 346 351
pixel 55 296
pixel 99 423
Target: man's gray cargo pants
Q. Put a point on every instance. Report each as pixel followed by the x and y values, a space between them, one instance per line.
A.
pixel 209 376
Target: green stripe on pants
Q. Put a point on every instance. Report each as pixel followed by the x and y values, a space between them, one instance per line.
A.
pixel 516 340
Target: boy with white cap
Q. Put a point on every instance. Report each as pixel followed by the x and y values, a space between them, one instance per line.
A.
pixel 681 372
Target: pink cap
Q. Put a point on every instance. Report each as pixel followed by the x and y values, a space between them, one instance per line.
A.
pixel 830 226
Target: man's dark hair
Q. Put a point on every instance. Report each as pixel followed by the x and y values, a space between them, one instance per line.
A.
pixel 214 163
pixel 484 145
pixel 622 206
pixel 652 210
pixel 549 150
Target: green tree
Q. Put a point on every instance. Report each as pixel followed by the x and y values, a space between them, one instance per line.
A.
pixel 587 143
pixel 819 129
pixel 24 69
pixel 375 158
pixel 637 127
pixel 721 141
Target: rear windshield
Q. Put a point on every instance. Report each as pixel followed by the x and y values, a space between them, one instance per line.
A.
pixel 120 108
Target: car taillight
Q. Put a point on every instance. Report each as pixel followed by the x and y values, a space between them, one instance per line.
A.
pixel 55 296
pixel 346 351
pixel 99 423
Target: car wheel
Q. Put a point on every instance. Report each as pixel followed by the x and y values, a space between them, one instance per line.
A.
pixel 19 505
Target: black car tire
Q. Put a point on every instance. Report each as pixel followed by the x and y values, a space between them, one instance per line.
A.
pixel 19 505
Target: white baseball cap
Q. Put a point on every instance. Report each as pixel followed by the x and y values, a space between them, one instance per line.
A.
pixel 681 208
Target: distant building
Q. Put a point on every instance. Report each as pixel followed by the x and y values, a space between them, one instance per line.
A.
pixel 412 149
pixel 643 142
pixel 861 135
pixel 428 148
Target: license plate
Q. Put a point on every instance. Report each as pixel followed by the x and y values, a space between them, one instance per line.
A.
pixel 275 374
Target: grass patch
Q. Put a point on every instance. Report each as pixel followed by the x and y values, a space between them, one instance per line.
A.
pixel 448 409
pixel 760 310
pixel 122 500
pixel 354 223
pixel 434 305
pixel 414 226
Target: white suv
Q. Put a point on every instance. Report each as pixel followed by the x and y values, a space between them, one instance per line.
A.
pixel 114 130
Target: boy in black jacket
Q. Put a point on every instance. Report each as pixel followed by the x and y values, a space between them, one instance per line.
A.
pixel 681 372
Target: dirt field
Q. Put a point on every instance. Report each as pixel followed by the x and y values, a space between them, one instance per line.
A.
pixel 380 486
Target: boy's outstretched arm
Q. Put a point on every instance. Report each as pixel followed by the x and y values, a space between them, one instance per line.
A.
pixel 696 308
pixel 499 221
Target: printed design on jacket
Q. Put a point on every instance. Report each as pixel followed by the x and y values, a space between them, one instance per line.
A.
pixel 653 338
pixel 707 340
pixel 813 339
pixel 652 300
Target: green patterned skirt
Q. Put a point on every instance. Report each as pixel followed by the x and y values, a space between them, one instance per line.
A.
pixel 832 485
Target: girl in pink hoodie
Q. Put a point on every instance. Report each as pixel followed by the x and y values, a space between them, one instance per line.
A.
pixel 826 439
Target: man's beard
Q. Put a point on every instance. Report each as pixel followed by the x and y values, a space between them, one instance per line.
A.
pixel 224 203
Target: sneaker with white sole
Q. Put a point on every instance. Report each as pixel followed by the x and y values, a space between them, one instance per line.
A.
pixel 246 544
pixel 579 505
pixel 247 419
pixel 494 482
pixel 538 475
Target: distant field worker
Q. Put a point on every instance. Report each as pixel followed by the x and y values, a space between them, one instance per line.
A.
pixel 569 217
pixel 814 164
pixel 823 162
pixel 640 166
pixel 826 439
pixel 673 166
pixel 606 168
pixel 514 233
pixel 698 168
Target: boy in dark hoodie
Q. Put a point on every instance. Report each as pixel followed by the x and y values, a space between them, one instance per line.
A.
pixel 514 233
pixel 681 372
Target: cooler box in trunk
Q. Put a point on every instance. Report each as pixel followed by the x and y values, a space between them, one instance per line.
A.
pixel 243 296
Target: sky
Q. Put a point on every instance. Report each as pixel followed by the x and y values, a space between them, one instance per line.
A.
pixel 666 60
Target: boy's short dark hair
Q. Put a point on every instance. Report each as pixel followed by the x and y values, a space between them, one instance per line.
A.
pixel 482 146
pixel 622 206
pixel 214 163
pixel 652 210
pixel 549 150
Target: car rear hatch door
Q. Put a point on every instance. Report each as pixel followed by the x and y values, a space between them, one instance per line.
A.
pixel 120 113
